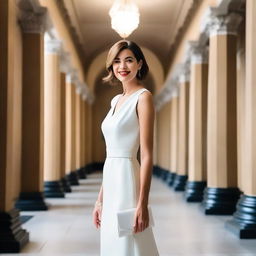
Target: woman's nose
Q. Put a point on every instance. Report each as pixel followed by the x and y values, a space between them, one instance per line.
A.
pixel 122 64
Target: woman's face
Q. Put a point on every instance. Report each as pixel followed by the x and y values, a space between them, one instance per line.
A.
pixel 125 66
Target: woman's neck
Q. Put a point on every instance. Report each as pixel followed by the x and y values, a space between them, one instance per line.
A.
pixel 129 88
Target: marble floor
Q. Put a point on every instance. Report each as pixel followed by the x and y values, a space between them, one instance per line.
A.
pixel 181 229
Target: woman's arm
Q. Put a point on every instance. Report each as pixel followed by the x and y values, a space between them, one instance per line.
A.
pixel 146 114
pixel 100 195
pixel 97 209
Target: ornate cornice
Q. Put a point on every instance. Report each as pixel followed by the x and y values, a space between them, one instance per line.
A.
pixel 33 18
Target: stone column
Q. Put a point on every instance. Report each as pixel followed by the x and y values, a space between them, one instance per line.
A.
pixel 71 112
pixel 182 164
pixel 197 124
pixel 222 193
pixel 52 135
pixel 241 114
pixel 88 163
pixel 31 197
pixel 79 166
pixel 64 68
pixel 83 141
pixel 173 137
pixel 244 219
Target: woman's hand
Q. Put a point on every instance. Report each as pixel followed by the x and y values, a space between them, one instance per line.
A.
pixel 97 214
pixel 141 219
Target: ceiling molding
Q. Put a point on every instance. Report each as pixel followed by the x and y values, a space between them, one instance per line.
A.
pixel 181 32
pixel 78 45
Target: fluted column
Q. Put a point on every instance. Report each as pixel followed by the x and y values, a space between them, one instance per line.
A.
pixel 173 137
pixel 244 219
pixel 222 193
pixel 197 124
pixel 241 115
pixel 83 137
pixel 31 197
pixel 71 105
pixel 68 166
pixel 52 112
pixel 78 128
pixel 89 132
pixel 182 164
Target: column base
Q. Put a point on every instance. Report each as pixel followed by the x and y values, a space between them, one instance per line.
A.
pixel 243 223
pixel 12 236
pixel 84 171
pixel 31 201
pixel 53 189
pixel 194 191
pixel 73 178
pixel 165 174
pixel 220 201
pixel 171 178
pixel 66 185
pixel 80 173
pixel 157 171
pixel 179 182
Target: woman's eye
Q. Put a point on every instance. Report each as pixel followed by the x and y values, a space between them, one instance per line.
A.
pixel 116 61
pixel 130 60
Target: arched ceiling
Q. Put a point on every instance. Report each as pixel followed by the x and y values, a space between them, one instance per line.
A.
pixel 160 24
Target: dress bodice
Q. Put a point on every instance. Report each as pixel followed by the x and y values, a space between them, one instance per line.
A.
pixel 121 127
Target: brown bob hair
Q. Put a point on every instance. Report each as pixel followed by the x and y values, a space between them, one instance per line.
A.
pixel 115 50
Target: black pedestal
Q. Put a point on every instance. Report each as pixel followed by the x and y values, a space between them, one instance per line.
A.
pixel 84 169
pixel 164 175
pixel 12 236
pixel 243 223
pixel 170 179
pixel 73 179
pixel 180 182
pixel 194 191
pixel 81 174
pixel 31 201
pixel 220 201
pixel 66 185
pixel 157 171
pixel 53 189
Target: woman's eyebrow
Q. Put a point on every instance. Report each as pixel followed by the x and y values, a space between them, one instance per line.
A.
pixel 129 57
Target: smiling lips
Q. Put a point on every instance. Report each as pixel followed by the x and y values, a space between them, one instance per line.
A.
pixel 124 73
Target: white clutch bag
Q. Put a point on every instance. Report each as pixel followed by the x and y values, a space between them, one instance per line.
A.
pixel 125 221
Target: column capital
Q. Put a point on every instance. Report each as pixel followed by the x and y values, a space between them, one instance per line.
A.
pixel 72 76
pixel 183 73
pixel 33 18
pixel 224 24
pixel 65 61
pixel 198 53
pixel 53 46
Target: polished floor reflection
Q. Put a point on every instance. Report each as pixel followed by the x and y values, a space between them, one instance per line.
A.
pixel 181 228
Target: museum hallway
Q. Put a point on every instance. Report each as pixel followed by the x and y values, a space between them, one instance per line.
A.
pixel 199 57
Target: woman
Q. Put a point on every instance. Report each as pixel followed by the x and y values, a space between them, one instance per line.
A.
pixel 127 126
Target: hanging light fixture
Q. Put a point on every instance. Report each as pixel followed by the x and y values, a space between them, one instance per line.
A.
pixel 125 17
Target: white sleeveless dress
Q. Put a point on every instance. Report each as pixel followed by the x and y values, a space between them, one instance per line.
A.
pixel 121 174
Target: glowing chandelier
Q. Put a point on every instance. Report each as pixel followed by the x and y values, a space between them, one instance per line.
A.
pixel 125 17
